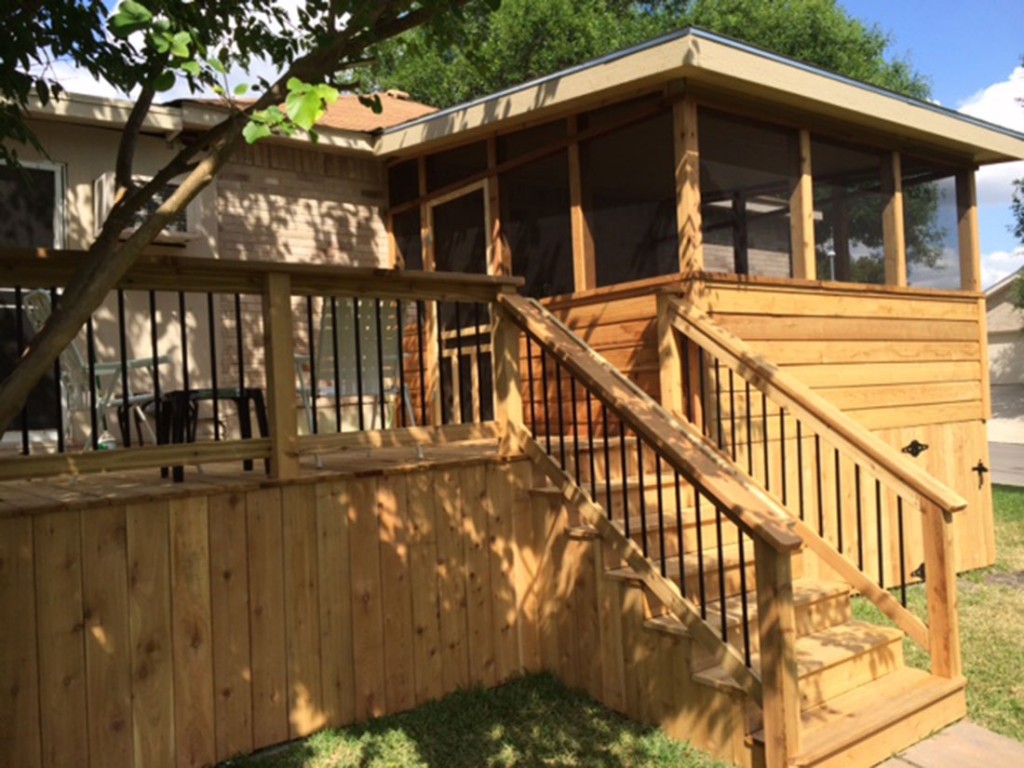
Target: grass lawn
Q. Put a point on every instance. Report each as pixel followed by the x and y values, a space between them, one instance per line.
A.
pixel 532 721
pixel 991 624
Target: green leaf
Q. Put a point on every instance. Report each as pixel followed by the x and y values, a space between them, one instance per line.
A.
pixel 130 17
pixel 161 41
pixel 294 85
pixel 191 67
pixel 43 91
pixel 217 65
pixel 373 102
pixel 241 89
pixel 180 43
pixel 164 81
pixel 253 132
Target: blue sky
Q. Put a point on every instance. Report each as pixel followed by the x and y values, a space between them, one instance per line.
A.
pixel 971 53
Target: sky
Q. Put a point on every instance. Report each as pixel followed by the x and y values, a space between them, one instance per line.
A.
pixel 971 54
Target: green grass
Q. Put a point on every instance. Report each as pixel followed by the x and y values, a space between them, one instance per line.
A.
pixel 991 608
pixel 532 721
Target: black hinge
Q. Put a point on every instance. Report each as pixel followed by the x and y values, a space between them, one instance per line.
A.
pixel 981 469
pixel 915 448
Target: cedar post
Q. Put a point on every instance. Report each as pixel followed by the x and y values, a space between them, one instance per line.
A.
pixel 940 585
pixel 892 222
pixel 508 392
pixel 777 629
pixel 801 215
pixel 670 359
pixel 280 370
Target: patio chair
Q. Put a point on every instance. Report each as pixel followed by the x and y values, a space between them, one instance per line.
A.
pixel 359 377
pixel 107 378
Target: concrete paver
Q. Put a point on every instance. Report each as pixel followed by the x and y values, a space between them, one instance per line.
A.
pixel 1007 463
pixel 964 745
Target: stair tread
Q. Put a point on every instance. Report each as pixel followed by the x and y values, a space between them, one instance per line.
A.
pixel 820 650
pixel 868 709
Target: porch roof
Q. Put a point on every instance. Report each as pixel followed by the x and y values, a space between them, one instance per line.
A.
pixel 711 63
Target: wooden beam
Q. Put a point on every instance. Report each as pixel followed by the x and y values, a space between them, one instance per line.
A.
pixel 893 234
pixel 584 269
pixel 940 586
pixel 280 371
pixel 776 622
pixel 498 257
pixel 801 215
pixel 687 157
pixel 967 229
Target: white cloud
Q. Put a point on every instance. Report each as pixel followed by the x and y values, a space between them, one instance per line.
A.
pixel 999 103
pixel 998 264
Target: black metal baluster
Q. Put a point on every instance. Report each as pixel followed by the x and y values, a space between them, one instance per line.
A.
pixel 625 469
pixel 839 499
pixel 590 446
pixel 718 406
pixel 90 352
pixel 687 392
pixel 400 323
pixel 903 551
pixel 607 462
pixel 239 343
pixel 457 372
pixel 721 574
pixel 187 398
pixel 214 364
pixel 732 416
pixel 744 607
pixel 821 493
pixel 765 446
pixel 701 585
pixel 680 541
pixel 575 429
pixel 750 432
pixel 358 328
pixel 19 330
pixel 420 312
pixel 880 541
pixel 703 394
pixel 800 467
pixel 336 366
pixel 860 519
pixel 642 493
pixel 314 383
pixel 544 395
pixel 661 511
pixel 382 404
pixel 561 414
pixel 122 341
pixel 58 407
pixel 529 384
pixel 782 455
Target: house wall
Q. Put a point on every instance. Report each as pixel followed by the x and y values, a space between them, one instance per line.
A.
pixel 207 621
pixel 1006 366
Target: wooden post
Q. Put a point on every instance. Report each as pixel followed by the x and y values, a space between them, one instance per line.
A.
pixel 432 348
pixel 687 155
pixel 967 229
pixel 498 257
pixel 892 221
pixel 508 385
pixel 940 586
pixel 777 629
pixel 280 371
pixel 670 359
pixel 584 269
pixel 801 215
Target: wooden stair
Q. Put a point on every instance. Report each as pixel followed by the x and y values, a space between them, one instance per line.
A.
pixel 859 703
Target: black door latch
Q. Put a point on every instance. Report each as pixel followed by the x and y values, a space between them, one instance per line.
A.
pixel 915 448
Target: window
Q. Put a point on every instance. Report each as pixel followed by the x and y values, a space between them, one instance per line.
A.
pixel 455 165
pixel 930 224
pixel 183 227
pixel 629 197
pixel 848 209
pixel 31 216
pixel 747 174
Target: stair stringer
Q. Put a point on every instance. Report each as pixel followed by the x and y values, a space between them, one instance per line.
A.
pixel 643 671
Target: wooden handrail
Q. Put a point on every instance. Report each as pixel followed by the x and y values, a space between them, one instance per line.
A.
pixel 42 268
pixel 679 445
pixel 810 407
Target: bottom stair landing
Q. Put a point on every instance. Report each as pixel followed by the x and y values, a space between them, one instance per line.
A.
pixel 859 703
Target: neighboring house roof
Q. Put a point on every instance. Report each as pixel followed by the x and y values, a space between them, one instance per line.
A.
pixel 1003 317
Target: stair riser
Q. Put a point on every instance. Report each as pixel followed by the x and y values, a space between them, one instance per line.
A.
pixel 822 685
pixel 810 618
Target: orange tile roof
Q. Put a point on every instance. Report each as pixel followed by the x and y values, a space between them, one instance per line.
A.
pixel 347 114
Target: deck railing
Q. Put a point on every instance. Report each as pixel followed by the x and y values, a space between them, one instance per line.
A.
pixel 847 488
pixel 188 353
pixel 653 474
